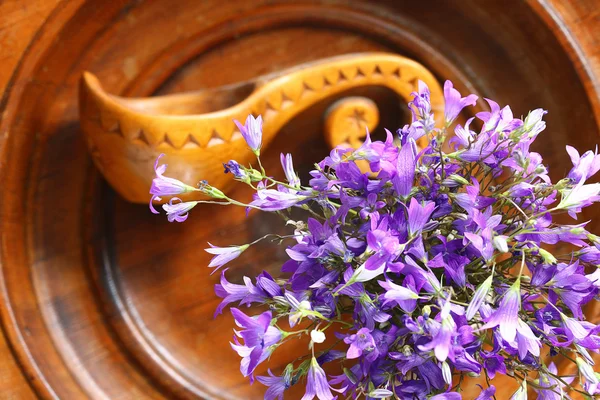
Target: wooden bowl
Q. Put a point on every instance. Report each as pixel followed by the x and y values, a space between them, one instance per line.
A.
pixel 101 299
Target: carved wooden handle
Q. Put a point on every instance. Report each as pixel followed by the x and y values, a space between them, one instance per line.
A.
pixel 196 130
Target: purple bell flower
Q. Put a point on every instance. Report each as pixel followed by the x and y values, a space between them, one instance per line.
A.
pixel 402 296
pixel 317 384
pixel 252 132
pixel 247 293
pixel 405 171
pixel 584 166
pixel 550 388
pixel 275 200
pixel 178 211
pixel 478 298
pixel 277 385
pixel 455 103
pixel 487 394
pixel 420 107
pixel 506 317
pixel 493 363
pixel 224 254
pixel 442 338
pixel 361 342
pixel 258 336
pixel 165 186
pixel 418 216
pixel 288 169
pixel 236 170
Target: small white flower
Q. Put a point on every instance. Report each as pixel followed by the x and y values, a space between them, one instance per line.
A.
pixel 317 336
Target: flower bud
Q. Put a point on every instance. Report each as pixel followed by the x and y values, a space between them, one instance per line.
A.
pixel 426 311
pixel 540 170
pixel 380 394
pixel 210 191
pixel 500 243
pixel 446 373
pixel 587 371
pixel 562 184
pixel 479 298
pixel 591 237
pixel 547 256
pixel 255 176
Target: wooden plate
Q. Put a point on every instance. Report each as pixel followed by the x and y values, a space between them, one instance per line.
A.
pixel 100 298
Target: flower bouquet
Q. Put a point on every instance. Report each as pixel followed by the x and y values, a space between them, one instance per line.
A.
pixel 418 266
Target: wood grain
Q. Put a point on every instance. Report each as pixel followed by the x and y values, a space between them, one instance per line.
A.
pixel 99 298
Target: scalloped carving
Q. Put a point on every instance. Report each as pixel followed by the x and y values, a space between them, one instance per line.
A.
pixel 280 97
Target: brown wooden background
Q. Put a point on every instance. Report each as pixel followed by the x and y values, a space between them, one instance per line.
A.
pixel 99 298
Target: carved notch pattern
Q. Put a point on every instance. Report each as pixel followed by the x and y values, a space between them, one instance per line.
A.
pixel 307 91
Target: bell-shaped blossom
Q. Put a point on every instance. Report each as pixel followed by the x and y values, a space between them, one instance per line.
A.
pixel 236 170
pixel 385 248
pixel 275 200
pixel 573 328
pixel 418 216
pixel 506 317
pixel 578 197
pixel 442 339
pixel 591 379
pixel 402 296
pixel 498 120
pixel 277 385
pixel 368 313
pixel 360 342
pixel 252 132
pixel 370 206
pixel 482 243
pixel 533 123
pixel 223 255
pixel 527 341
pixel 317 383
pixel 165 186
pixel 549 387
pixel 420 107
pixel 472 198
pixel 479 297
pixel 405 171
pixel 247 293
pixel 584 166
pixel 178 210
pixel 298 308
pixel 454 102
pixel 493 364
pixel 258 336
pixel 288 169
pixel 367 151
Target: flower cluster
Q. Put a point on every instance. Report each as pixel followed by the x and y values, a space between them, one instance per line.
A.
pixel 431 266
